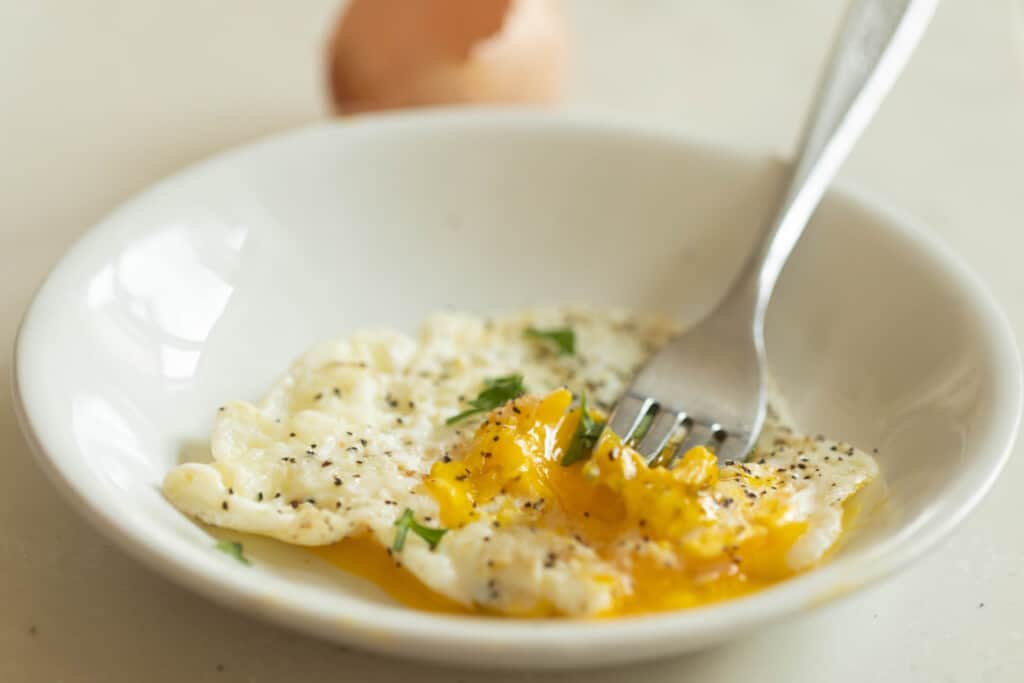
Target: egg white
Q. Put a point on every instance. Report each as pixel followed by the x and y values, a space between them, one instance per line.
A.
pixel 342 442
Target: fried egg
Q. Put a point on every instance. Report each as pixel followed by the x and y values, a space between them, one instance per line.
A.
pixel 365 438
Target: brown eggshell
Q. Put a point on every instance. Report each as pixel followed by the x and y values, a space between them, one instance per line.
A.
pixel 404 53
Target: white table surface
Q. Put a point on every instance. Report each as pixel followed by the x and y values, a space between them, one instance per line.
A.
pixel 98 98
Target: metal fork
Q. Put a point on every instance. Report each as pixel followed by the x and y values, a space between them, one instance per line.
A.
pixel 710 381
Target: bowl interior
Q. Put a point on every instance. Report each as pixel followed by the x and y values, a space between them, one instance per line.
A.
pixel 204 289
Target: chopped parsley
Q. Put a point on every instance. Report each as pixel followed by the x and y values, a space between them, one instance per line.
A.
pixel 406 523
pixel 496 392
pixel 587 433
pixel 564 338
pixel 232 548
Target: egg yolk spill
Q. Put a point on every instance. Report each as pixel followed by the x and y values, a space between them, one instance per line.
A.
pixel 367 559
pixel 683 537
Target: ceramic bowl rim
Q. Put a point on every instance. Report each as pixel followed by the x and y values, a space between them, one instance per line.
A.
pixel 441 637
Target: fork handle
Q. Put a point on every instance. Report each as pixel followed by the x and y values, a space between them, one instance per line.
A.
pixel 875 40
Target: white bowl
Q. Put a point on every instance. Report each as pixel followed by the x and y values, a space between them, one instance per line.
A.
pixel 205 287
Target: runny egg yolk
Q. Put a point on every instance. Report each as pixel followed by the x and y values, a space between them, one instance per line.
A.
pixel 680 537
pixel 365 558
pixel 690 543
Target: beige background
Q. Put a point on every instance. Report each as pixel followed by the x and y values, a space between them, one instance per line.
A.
pixel 98 98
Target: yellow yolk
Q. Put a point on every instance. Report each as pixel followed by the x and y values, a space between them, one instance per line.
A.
pixel 367 559
pixel 516 454
pixel 682 537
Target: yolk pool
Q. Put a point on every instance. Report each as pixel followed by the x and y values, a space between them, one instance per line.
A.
pixel 367 559
pixel 718 547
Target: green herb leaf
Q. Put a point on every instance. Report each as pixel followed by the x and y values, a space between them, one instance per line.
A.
pixel 406 523
pixel 587 433
pixel 496 392
pixel 564 338
pixel 232 548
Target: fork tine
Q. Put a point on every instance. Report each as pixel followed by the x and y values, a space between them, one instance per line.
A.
pixel 627 415
pixel 699 434
pixel 662 427
pixel 735 448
